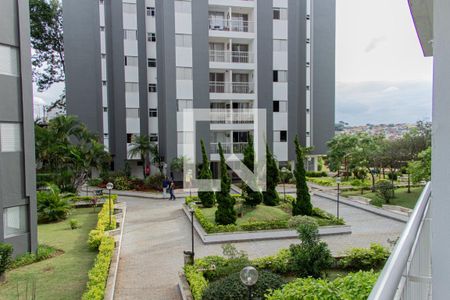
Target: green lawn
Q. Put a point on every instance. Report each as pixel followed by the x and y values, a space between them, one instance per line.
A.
pixel 61 277
pixel 260 213
pixel 402 197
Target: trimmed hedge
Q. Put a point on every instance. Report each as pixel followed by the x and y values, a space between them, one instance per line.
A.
pixel 98 275
pixel 316 174
pixel 365 258
pixel 196 280
pixel 96 235
pixel 89 198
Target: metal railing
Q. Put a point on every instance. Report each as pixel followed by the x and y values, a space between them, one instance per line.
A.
pixel 228 148
pixel 407 273
pixel 231 87
pixel 231 25
pixel 230 56
pixel 232 116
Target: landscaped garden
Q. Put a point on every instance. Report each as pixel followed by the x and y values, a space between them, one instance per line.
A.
pixel 303 271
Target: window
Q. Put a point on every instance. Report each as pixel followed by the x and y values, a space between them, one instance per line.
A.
pixel 102 28
pixel 307 110
pixel 283 136
pixel 280 45
pixel 130 34
pixel 183 7
pixel 105 109
pixel 183 40
pixel 151 11
pixel 184 104
pixel 103 56
pixel 308 41
pixel 105 135
pixel 151 37
pixel 132 113
pixel 307 64
pixel 184 73
pixel 104 82
pixel 9 60
pixel 279 76
pixel 308 17
pixel 152 87
pixel 280 13
pixel 276 106
pixel 307 87
pixel 153 137
pixel 153 113
pixel 131 87
pixel 129 8
pixel 308 134
pixel 131 61
pixel 15 220
pixel 129 138
pixel 152 62
pixel 10 137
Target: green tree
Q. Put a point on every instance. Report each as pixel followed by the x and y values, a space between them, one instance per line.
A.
pixel 252 198
pixel 46 20
pixel 365 153
pixel 302 205
pixel 225 213
pixel 273 178
pixel 207 198
pixel 340 148
pixel 141 146
pixel 420 169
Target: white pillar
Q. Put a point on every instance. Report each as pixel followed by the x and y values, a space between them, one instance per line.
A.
pixel 441 152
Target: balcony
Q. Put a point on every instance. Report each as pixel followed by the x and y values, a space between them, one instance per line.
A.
pixel 228 148
pixel 240 57
pixel 232 116
pixel 231 87
pixel 231 25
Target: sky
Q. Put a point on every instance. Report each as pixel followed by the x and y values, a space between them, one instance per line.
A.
pixel 381 73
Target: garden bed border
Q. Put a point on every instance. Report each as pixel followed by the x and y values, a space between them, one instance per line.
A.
pixel 244 236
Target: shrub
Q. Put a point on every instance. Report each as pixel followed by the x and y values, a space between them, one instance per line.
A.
pixel 51 207
pixel 154 182
pixel 316 174
pixel 207 198
pixel 251 197
pixel 95 181
pixel 100 271
pixel 74 224
pixel 393 176
pixel 231 287
pixel 43 252
pixel 377 202
pixel 385 189
pixel 6 251
pixel 196 281
pixel 225 213
pixel 96 235
pixel 354 286
pixel 295 221
pixel 365 258
pixel 278 263
pixel 302 205
pixel 111 176
pixel 327 216
pixel 320 181
pixel 122 183
pixel 271 197
pixel 264 225
pixel 312 256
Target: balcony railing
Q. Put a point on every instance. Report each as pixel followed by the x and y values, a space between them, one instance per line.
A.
pixel 243 57
pixel 235 116
pixel 228 148
pixel 231 87
pixel 407 273
pixel 231 25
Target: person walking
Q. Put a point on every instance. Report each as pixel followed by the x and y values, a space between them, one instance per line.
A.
pixel 165 185
pixel 172 190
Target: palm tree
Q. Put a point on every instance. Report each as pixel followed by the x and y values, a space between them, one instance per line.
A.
pixel 141 146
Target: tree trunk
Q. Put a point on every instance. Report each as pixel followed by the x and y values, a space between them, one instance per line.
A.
pixel 143 168
pixel 409 183
pixel 373 179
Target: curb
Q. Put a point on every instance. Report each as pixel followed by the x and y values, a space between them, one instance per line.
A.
pixel 261 235
pixel 183 285
pixel 366 207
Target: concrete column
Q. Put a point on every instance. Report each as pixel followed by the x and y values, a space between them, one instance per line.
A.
pixel 440 205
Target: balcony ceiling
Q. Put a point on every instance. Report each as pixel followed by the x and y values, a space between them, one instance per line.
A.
pixel 422 13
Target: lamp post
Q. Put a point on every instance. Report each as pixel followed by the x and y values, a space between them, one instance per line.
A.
pixel 284 170
pixel 249 277
pixel 192 211
pixel 109 187
pixel 338 181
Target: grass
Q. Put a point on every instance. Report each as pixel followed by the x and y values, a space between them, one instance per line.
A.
pixel 63 276
pixel 259 213
pixel 402 197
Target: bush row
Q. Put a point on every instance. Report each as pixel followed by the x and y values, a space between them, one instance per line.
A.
pixel 365 258
pixel 98 275
pixel 75 199
pixel 43 252
pixel 96 235
pixel 316 174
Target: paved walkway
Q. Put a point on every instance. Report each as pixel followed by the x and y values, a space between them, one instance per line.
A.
pixel 157 231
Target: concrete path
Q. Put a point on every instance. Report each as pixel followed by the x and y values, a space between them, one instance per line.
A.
pixel 157 231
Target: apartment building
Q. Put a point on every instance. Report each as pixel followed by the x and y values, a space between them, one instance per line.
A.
pixel 17 164
pixel 133 65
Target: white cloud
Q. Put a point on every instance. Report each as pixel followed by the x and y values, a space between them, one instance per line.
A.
pixel 390 89
pixel 374 44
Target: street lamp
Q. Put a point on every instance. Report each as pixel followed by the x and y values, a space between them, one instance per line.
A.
pixel 109 187
pixel 249 277
pixel 191 253
pixel 338 181
pixel 284 171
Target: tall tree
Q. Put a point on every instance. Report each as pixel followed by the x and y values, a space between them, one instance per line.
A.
pixel 225 213
pixel 273 178
pixel 207 198
pixel 141 146
pixel 340 148
pixel 46 20
pixel 252 198
pixel 365 153
pixel 420 169
pixel 302 205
